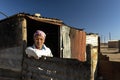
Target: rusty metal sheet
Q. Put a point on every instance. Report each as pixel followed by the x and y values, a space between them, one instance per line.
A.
pixel 78 44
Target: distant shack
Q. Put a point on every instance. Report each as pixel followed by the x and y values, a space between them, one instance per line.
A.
pixel 113 44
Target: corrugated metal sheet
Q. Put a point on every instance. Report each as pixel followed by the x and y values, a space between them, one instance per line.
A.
pixel 65 42
pixel 78 44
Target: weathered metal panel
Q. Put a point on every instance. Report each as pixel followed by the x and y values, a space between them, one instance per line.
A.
pixel 10 33
pixel 78 44
pixel 65 42
pixel 58 69
pixel 92 39
pixel 11 42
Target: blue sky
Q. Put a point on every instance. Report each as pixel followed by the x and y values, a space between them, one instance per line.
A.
pixel 96 16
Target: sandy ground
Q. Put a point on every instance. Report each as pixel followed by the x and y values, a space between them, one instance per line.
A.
pixel 114 57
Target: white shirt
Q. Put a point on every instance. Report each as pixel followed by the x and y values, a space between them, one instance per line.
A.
pixel 37 53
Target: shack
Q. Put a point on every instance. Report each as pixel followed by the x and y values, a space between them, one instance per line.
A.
pixel 68 45
pixel 113 44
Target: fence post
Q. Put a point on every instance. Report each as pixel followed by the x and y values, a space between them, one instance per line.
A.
pixel 119 46
pixel 89 60
pixel 92 58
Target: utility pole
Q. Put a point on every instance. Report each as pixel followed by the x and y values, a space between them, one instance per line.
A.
pixel 104 39
pixel 109 36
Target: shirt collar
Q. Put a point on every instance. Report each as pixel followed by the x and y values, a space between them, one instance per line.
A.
pixel 43 46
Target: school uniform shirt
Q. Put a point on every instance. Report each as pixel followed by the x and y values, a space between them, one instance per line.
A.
pixel 37 53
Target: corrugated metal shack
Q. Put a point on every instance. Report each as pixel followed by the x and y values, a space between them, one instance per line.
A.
pixel 68 46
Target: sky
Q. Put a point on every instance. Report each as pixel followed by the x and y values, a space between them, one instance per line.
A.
pixel 95 16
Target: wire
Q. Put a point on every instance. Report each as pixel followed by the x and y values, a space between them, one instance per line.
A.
pixel 3 14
